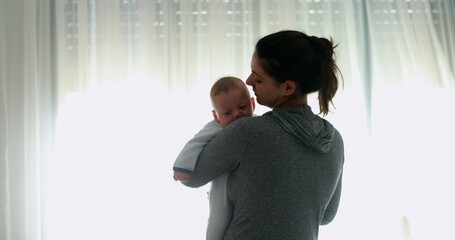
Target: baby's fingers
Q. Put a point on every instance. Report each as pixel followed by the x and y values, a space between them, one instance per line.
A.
pixel 182 177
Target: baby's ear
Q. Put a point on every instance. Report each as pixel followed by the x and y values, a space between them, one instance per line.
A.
pixel 215 116
pixel 253 103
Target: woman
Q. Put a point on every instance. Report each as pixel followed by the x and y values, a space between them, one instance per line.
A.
pixel 285 166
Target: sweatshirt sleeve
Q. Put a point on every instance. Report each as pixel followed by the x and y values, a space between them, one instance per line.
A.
pixel 186 160
pixel 221 155
pixel 332 207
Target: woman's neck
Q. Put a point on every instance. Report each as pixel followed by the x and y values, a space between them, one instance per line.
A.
pixel 292 101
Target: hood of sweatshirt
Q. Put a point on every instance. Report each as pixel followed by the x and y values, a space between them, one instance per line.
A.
pixel 309 128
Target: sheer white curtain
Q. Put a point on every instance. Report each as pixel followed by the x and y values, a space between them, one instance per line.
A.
pixel 98 97
pixel 26 116
pixel 411 89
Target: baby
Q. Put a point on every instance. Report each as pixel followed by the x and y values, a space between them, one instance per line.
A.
pixel 231 100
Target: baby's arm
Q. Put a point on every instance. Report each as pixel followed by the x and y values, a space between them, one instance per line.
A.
pixel 221 155
pixel 187 158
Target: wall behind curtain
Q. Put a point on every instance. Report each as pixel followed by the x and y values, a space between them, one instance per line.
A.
pixel 125 84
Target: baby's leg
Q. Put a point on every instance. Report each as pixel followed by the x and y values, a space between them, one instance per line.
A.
pixel 220 212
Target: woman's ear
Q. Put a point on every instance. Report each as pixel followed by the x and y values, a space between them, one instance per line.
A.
pixel 289 87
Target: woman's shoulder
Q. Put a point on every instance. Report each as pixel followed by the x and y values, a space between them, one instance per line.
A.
pixel 254 119
pixel 249 123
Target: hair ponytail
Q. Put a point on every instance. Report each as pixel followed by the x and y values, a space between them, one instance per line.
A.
pixel 328 78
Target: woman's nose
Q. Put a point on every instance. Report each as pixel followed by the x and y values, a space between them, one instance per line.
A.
pixel 248 81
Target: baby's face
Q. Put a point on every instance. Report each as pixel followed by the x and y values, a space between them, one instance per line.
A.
pixel 232 105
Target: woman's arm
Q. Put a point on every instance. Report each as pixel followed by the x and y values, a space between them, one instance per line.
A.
pixel 220 156
pixel 332 207
pixel 187 158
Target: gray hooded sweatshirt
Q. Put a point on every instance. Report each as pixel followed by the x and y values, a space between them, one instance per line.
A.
pixel 285 170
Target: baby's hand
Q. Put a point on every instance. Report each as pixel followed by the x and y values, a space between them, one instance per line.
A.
pixel 182 177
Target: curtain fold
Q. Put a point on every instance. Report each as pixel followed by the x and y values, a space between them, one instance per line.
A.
pixel 27 116
pixel 98 97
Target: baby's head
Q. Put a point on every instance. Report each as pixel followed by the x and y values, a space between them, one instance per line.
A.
pixel 231 100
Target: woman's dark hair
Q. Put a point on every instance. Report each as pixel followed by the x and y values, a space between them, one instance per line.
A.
pixel 307 60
